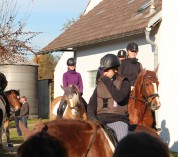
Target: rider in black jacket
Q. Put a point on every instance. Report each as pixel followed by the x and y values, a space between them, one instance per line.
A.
pixel 3 84
pixel 130 67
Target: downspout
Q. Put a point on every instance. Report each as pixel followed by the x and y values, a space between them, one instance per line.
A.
pixel 147 33
pixel 153 21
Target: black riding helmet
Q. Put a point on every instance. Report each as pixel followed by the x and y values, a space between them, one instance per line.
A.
pixel 71 62
pixel 109 61
pixel 132 47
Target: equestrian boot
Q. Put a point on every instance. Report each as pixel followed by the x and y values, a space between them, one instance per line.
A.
pixel 154 122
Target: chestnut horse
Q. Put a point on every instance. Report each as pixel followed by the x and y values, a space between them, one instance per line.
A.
pixel 13 99
pixel 81 138
pixel 69 106
pixel 144 98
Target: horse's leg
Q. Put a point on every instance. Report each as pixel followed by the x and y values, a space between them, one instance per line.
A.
pixel 7 133
pixel 9 143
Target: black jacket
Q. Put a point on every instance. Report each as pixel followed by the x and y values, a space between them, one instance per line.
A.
pixel 130 68
pixel 3 81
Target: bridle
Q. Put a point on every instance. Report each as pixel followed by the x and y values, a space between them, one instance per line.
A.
pixel 145 96
pixel 143 88
pixel 67 98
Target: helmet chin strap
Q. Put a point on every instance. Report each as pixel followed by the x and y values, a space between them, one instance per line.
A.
pixel 114 77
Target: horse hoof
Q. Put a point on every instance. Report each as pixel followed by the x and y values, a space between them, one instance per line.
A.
pixel 10 145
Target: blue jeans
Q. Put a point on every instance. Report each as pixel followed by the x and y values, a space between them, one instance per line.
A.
pixel 17 119
pixel 24 121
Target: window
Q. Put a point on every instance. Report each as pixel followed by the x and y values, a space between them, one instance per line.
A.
pixel 92 78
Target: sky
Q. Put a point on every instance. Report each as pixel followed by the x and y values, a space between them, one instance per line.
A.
pixel 49 17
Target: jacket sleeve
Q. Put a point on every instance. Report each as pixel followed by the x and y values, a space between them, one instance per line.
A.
pixel 92 105
pixel 65 84
pixel 119 95
pixel 80 83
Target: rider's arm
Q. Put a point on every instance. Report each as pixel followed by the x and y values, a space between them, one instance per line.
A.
pixel 92 106
pixel 119 95
pixel 65 83
pixel 80 83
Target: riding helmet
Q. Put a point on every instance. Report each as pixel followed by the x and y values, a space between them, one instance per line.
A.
pixel 71 62
pixel 109 61
pixel 122 54
pixel 132 47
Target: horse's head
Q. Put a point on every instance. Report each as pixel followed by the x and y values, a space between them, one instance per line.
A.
pixel 72 96
pixel 13 98
pixel 146 88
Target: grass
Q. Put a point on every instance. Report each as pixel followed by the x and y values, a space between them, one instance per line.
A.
pixel 14 136
pixel 13 132
pixel 31 124
pixel 174 154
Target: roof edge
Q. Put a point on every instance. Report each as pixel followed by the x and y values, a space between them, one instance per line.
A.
pixel 65 48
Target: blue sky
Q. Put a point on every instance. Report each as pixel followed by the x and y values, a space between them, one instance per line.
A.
pixel 49 16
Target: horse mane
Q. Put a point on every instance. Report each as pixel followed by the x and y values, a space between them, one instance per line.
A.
pixel 17 92
pixel 138 82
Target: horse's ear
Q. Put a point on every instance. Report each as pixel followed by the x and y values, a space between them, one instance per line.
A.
pixel 156 69
pixel 143 71
pixel 40 126
pixel 62 87
pixel 28 133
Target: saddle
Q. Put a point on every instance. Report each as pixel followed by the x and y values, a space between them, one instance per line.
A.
pixel 111 134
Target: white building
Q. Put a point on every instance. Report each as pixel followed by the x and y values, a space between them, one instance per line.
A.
pixel 108 26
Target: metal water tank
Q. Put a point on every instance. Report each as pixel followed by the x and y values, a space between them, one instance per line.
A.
pixel 23 76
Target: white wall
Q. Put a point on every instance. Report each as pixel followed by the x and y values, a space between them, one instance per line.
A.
pixel 168 58
pixel 60 68
pixel 88 59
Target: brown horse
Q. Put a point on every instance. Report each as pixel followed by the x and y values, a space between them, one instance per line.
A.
pixel 144 98
pixel 13 99
pixel 81 138
pixel 71 105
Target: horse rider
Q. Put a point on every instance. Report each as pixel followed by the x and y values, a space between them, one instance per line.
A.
pixel 108 104
pixel 3 85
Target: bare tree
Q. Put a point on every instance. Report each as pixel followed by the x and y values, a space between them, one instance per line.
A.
pixel 13 38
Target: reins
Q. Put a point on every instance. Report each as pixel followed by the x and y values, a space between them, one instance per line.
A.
pixel 91 142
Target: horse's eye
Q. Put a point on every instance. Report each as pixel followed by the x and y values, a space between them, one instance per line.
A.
pixel 147 84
